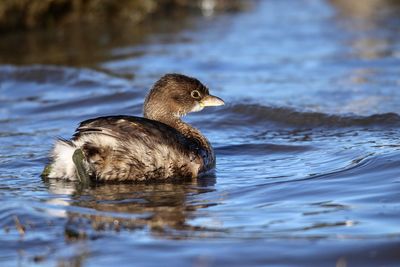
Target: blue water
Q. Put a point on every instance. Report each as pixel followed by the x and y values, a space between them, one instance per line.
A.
pixel 308 152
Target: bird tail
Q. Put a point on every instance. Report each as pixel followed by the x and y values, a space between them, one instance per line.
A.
pixel 62 165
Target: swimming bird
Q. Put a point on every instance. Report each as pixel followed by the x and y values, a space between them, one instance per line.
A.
pixel 159 146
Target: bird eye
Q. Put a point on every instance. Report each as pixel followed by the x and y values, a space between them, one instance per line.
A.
pixel 195 94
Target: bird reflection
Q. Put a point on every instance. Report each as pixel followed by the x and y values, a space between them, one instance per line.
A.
pixel 161 209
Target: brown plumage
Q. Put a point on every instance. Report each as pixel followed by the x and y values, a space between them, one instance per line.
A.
pixel 159 146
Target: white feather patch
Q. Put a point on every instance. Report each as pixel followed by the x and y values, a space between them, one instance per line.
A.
pixel 197 107
pixel 63 166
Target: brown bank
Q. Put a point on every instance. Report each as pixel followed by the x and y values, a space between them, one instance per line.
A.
pixel 31 14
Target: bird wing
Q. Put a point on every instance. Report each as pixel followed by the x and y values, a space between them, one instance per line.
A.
pixel 130 127
pixel 140 148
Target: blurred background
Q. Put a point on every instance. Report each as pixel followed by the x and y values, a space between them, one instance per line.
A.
pixel 308 153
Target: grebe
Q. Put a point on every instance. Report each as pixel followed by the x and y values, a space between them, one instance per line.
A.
pixel 159 146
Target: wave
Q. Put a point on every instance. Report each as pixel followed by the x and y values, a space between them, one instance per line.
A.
pixel 256 114
pixel 61 75
pixel 235 114
pixel 259 149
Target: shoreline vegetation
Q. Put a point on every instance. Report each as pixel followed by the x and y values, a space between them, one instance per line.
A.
pixel 36 14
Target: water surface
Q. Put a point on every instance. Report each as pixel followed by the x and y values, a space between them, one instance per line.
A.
pixel 308 152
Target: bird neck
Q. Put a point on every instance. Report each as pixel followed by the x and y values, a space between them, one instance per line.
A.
pixel 204 150
pixel 188 131
pixel 175 121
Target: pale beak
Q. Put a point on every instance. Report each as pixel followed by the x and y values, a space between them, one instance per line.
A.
pixel 211 101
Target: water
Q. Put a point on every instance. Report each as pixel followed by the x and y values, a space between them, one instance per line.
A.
pixel 308 153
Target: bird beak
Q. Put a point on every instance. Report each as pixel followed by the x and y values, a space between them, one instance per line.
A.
pixel 211 101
